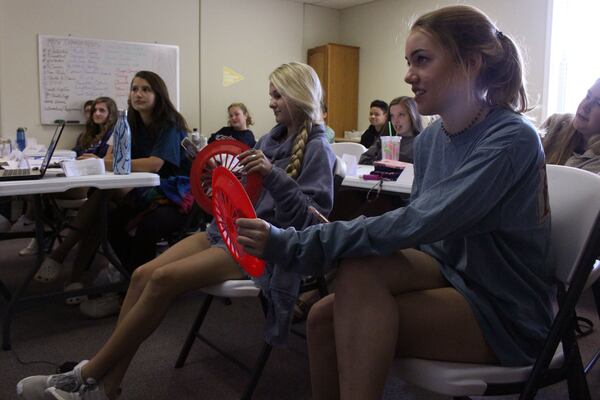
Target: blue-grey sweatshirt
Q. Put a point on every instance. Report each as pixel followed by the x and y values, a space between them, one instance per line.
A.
pixel 478 205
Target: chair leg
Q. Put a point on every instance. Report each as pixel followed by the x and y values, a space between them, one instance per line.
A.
pixel 596 293
pixel 4 291
pixel 191 337
pixel 576 381
pixel 257 372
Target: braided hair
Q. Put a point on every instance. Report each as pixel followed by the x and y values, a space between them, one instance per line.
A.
pixel 299 84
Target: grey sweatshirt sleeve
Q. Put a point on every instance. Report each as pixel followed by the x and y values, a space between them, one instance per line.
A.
pixel 314 186
pixel 450 208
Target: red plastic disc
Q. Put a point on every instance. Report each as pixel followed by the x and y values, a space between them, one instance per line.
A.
pixel 220 153
pixel 230 202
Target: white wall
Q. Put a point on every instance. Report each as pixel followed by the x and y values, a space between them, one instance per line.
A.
pixel 321 26
pixel 380 29
pixel 252 38
pixel 132 20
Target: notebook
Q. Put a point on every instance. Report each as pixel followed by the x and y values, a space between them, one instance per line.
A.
pixel 22 174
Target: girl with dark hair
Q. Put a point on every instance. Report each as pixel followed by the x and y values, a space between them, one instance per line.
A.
pixel 155 148
pixel 445 277
pixel 94 142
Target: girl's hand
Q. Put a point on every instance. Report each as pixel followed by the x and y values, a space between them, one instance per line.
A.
pixel 253 235
pixel 255 161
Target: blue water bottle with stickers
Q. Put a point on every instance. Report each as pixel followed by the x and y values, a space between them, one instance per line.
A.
pixel 21 140
pixel 122 145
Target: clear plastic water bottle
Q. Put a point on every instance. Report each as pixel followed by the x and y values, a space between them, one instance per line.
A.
pixel 21 140
pixel 122 145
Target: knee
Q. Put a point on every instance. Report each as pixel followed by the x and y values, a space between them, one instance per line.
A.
pixel 357 272
pixel 320 318
pixel 140 278
pixel 161 283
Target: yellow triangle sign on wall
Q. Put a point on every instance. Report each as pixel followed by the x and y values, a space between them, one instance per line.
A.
pixel 230 77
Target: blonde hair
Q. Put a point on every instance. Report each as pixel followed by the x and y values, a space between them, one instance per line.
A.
pixel 242 106
pixel 561 139
pixel 465 31
pixel 300 86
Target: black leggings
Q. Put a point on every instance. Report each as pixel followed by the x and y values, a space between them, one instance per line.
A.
pixel 140 248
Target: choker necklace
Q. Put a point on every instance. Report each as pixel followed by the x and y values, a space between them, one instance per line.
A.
pixel 466 128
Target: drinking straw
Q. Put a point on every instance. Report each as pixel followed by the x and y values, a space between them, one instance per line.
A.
pixel 390 128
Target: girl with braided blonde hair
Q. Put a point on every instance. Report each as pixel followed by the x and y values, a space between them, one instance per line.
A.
pixel 299 84
pixel 297 165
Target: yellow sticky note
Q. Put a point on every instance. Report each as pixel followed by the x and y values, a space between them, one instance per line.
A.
pixel 230 77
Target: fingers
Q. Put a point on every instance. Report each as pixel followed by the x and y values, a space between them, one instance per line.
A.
pixel 255 161
pixel 253 235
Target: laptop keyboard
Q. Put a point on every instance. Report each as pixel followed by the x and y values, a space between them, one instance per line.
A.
pixel 15 172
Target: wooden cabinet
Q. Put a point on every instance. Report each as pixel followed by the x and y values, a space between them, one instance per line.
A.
pixel 337 67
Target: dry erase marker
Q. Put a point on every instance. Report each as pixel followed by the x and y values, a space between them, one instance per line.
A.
pixel 317 214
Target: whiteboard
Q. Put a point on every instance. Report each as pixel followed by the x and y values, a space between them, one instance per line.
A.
pixel 73 70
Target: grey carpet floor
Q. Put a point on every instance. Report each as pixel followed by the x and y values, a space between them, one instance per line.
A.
pixel 56 333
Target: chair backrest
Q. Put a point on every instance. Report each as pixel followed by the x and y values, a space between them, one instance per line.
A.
pixel 355 149
pixel 339 173
pixel 575 205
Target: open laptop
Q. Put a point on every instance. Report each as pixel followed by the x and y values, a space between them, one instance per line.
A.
pixel 22 174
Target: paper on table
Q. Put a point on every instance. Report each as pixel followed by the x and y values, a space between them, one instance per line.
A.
pixel 351 164
pixel 89 166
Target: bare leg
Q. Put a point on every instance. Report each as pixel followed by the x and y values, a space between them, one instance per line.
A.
pixel 185 248
pixel 85 253
pixel 87 218
pixel 140 318
pixel 368 327
pixel 322 356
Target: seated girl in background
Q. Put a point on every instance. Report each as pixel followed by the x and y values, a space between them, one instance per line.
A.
pixel 297 166
pixel 93 143
pixel 448 276
pixel 574 140
pixel 237 126
pixel 87 109
pixel 378 120
pixel 329 132
pixel 406 122
pixel 156 132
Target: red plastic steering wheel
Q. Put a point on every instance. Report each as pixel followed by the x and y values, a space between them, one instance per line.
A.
pixel 220 153
pixel 230 202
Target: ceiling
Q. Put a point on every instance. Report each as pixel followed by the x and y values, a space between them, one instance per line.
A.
pixel 337 4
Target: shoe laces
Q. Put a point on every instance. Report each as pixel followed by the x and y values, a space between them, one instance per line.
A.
pixel 67 382
pixel 91 390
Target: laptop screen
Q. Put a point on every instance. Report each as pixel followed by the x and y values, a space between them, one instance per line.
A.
pixel 51 147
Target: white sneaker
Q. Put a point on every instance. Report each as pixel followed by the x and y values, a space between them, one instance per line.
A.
pixel 48 271
pixel 30 249
pixel 91 390
pixel 4 224
pixel 73 301
pixel 23 224
pixel 100 307
pixel 107 275
pixel 33 387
